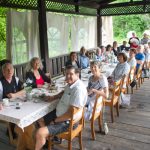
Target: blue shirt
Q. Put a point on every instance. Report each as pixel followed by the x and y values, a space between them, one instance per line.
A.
pixel 139 56
pixel 98 58
pixel 84 61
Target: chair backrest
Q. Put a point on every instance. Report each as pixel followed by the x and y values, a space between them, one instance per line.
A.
pixel 139 72
pixel 116 90
pixel 77 117
pixel 98 106
pixel 124 81
pixel 131 74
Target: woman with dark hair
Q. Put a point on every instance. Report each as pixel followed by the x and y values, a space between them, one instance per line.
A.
pixel 115 48
pixel 109 55
pixel 35 73
pixel 121 69
pixel 73 60
pixel 132 60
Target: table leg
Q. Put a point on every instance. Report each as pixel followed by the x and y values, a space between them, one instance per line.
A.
pixel 26 138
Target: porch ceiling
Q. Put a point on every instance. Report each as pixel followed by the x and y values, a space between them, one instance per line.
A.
pixel 85 7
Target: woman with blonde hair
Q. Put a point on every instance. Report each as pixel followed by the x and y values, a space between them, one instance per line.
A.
pixel 35 73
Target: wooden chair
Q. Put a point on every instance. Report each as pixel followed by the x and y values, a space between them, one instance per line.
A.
pixel 12 141
pixel 97 114
pixel 131 79
pixel 138 77
pixel 114 100
pixel 63 70
pixel 124 83
pixel 77 116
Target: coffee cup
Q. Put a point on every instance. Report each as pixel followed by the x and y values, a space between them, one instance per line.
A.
pixel 5 101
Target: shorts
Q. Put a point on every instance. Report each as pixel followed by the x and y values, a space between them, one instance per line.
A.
pixel 50 117
pixel 58 128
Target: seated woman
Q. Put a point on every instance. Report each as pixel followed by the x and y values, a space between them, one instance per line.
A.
pixel 132 60
pixel 98 55
pixel 121 69
pixel 73 60
pixel 35 73
pixel 84 60
pixel 109 54
pixel 115 48
pixel 103 50
pixel 97 84
pixel 10 86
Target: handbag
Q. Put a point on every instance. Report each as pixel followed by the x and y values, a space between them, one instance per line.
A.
pixel 133 83
pixel 125 99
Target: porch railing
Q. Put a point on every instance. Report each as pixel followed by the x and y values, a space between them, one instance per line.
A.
pixel 55 66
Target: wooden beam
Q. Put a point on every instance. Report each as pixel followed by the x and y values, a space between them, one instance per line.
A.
pixel 99 29
pixel 125 4
pixel 43 33
pixel 91 5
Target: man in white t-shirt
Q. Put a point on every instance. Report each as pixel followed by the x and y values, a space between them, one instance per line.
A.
pixel 74 96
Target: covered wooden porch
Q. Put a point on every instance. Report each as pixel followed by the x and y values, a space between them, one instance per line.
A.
pixel 131 131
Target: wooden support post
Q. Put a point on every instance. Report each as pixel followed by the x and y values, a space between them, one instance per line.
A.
pixel 43 34
pixel 99 28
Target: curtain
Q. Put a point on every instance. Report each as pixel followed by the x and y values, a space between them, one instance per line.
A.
pixel 22 36
pixel 58 34
pixel 107 30
pixel 83 32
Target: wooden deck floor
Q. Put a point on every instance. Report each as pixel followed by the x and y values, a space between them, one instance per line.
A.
pixel 131 131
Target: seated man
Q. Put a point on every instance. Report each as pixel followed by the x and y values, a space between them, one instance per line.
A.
pixel 10 86
pixel 2 62
pixel 74 96
pixel 140 57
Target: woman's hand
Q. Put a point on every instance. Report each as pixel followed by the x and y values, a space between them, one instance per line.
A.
pixel 89 91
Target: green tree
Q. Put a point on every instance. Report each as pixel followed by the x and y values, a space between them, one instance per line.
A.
pixel 123 24
pixel 3 12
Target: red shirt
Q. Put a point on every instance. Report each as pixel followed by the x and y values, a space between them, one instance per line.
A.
pixel 40 81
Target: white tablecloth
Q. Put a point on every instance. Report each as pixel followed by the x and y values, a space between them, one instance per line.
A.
pixel 30 111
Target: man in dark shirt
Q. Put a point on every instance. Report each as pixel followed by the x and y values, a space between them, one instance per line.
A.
pixel 10 86
pixel 124 46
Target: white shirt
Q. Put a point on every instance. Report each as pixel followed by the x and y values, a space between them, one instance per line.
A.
pixel 74 95
pixel 132 62
pixel 120 70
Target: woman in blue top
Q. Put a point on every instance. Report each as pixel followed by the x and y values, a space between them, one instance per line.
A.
pixel 84 60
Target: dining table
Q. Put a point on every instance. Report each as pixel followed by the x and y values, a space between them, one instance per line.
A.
pixel 25 111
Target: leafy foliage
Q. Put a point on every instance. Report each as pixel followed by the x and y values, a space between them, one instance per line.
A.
pixel 3 12
pixel 124 24
pixel 121 26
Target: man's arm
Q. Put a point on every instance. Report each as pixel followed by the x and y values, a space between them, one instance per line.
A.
pixel 14 95
pixel 52 98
